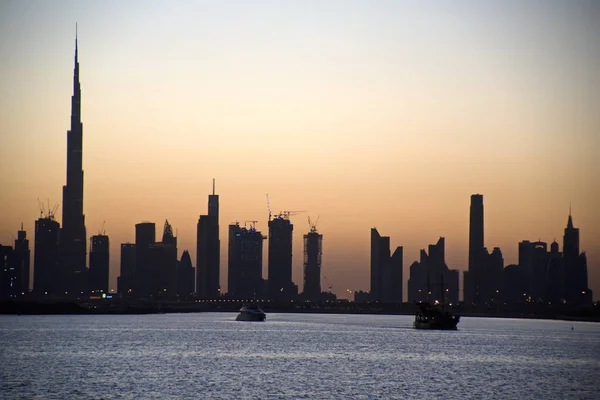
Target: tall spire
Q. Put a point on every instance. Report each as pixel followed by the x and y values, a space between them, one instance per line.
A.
pixel 213 186
pixel 570 222
pixel 73 232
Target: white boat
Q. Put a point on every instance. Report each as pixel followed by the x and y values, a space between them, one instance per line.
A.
pixel 251 312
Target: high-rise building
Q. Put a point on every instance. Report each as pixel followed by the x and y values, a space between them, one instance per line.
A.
pixel 7 274
pixel 431 279
pixel 380 256
pixel 514 284
pixel 392 288
pixel 245 262
pixel 213 204
pixel 73 236
pixel 46 267
pixel 14 268
pixel 473 280
pixel 281 287
pixel 126 280
pixel 145 235
pixel 386 270
pixel 313 254
pixel 233 250
pixel 99 264
pixel 162 267
pixel 208 251
pixel 22 257
pixel 575 267
pixel 185 277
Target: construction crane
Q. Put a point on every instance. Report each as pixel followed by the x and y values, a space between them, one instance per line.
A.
pixel 49 212
pixel 313 226
pixel 288 214
pixel 268 206
pixel 102 231
pixel 252 224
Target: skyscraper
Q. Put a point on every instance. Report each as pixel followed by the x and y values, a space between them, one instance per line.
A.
pixel 145 235
pixel 14 274
pixel 125 282
pixel 208 250
pixel 575 266
pixel 22 254
pixel 46 267
pixel 99 264
pixel 245 262
pixel 161 279
pixel 281 287
pixel 313 254
pixel 431 279
pixel 476 246
pixel 185 276
pixel 233 250
pixel 386 270
pixel 393 287
pixel 380 256
pixel 73 236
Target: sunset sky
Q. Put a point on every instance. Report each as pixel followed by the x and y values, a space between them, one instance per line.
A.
pixel 385 114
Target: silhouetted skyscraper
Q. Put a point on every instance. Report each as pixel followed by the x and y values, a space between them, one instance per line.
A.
pixel 473 280
pixel 575 267
pixel 185 277
pixel 73 236
pixel 233 245
pixel 22 256
pixel 99 264
pixel 380 256
pixel 208 251
pixel 386 271
pixel 245 262
pixel 392 288
pixel 46 267
pixel 313 254
pixel 162 279
pixel 126 280
pixel 14 268
pixel 281 287
pixel 431 279
pixel 145 235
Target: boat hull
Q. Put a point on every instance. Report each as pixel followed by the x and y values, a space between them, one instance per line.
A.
pixel 447 322
pixel 251 317
pixel 449 326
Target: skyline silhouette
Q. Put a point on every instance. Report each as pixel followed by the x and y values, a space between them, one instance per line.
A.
pixel 409 178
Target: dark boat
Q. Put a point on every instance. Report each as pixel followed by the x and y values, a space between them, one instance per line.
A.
pixel 430 316
pixel 251 312
pixel 433 316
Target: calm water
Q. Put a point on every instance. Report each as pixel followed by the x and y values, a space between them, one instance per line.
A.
pixel 294 356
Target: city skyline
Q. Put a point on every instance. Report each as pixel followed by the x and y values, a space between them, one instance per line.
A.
pixel 339 177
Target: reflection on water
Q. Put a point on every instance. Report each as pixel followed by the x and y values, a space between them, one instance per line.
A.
pixel 294 356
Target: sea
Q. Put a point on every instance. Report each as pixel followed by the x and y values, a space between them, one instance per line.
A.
pixel 294 356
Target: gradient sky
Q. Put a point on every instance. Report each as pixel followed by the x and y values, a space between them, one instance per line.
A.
pixel 385 114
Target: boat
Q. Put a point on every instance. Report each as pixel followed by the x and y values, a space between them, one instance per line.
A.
pixel 251 312
pixel 433 316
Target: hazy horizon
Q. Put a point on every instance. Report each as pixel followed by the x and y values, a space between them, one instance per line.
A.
pixel 367 114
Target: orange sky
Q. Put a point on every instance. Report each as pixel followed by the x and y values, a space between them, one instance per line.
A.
pixel 386 115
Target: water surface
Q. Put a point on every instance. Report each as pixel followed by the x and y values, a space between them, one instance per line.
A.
pixel 316 356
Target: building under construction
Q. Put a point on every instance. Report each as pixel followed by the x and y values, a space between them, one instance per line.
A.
pixel 99 264
pixel 281 287
pixel 313 253
pixel 245 262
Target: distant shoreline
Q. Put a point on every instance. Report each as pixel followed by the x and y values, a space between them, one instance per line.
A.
pixel 582 314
